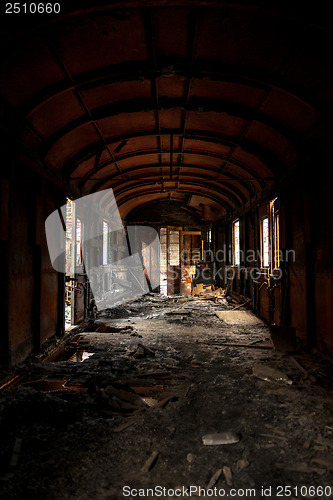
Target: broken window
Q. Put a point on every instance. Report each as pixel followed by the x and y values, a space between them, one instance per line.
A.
pixel 105 242
pixel 264 230
pixel 236 243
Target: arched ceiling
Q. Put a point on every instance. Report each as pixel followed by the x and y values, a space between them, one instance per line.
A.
pixel 207 103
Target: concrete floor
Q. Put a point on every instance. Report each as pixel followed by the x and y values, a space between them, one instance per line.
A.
pixel 195 374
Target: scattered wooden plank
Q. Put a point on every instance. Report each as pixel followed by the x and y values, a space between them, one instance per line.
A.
pixel 302 369
pixel 154 374
pixel 228 475
pixel 16 452
pixel 214 479
pixel 219 438
pixel 123 426
pixel 234 344
pixel 241 305
pixel 188 390
pixel 165 401
pixel 303 468
pixel 150 462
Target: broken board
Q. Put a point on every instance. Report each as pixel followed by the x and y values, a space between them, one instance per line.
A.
pixel 245 318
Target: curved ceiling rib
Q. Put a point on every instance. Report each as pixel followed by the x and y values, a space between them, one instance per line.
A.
pixel 236 199
pixel 97 148
pixel 196 152
pixel 208 173
pixel 219 200
pixel 213 175
pixel 129 72
pixel 229 111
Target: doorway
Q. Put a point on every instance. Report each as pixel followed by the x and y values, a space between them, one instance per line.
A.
pixel 75 278
pixel 180 255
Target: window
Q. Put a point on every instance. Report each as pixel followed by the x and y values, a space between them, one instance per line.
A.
pixel 265 242
pixel 78 257
pixel 105 242
pixel 276 233
pixel 174 255
pixel 236 243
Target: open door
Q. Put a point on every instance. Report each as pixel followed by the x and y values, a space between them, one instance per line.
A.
pixel 170 262
pixel 190 250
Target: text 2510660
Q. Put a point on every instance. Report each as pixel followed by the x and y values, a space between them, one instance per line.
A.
pixel 32 8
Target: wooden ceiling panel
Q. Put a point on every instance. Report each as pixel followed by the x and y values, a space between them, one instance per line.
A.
pixel 228 92
pixel 229 126
pixel 243 39
pixel 272 141
pixel 212 146
pixel 293 114
pixel 171 32
pixel 171 119
pixel 27 71
pixel 133 144
pixel 197 159
pixel 124 124
pixel 148 159
pixel 71 144
pixel 171 86
pixel 64 108
pixel 102 95
pixel 88 42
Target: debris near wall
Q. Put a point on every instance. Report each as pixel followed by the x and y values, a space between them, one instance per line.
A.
pixel 207 291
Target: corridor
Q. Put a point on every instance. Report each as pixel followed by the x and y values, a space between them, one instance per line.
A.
pixel 166 249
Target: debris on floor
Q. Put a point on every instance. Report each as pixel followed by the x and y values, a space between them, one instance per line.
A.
pixel 220 438
pixel 185 405
pixel 150 462
pixel 270 374
pixel 245 318
pixel 214 479
pixel 228 475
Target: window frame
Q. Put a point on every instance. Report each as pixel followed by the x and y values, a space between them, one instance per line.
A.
pixel 105 244
pixel 78 242
pixel 265 252
pixel 236 253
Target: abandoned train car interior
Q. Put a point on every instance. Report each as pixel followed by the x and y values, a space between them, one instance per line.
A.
pixel 166 249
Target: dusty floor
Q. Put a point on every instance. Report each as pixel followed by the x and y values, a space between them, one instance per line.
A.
pixel 157 377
